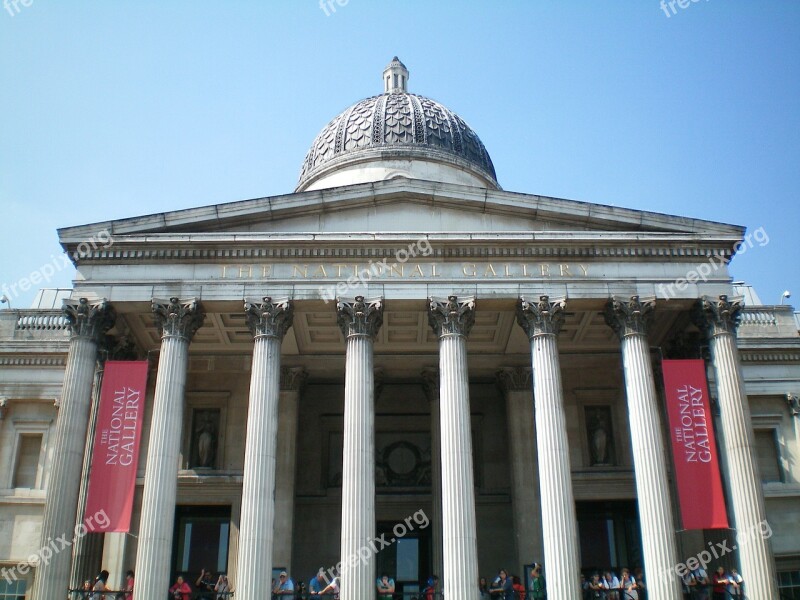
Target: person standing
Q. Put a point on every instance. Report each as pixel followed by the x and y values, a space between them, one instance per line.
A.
pixel 285 585
pixel 537 583
pixel 205 585
pixel 181 590
pixel 483 588
pixel 222 588
pixel 385 586
pixel 431 588
pixel 100 586
pixel 629 585
pixel 502 587
pixel 720 580
pixel 128 587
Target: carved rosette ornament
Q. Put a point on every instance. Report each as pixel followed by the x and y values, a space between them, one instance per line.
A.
pixel 178 318
pixel 452 316
pixel 359 316
pixel 630 318
pixel 515 379
pixel 89 320
pixel 268 317
pixel 541 318
pixel 718 316
pixel 293 379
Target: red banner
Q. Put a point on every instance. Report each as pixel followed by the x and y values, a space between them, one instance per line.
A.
pixel 115 455
pixel 694 448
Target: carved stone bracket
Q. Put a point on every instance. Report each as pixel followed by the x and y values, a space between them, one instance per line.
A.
pixel 293 379
pixel 541 318
pixel 178 318
pixel 90 320
pixel 3 407
pixel 629 317
pixel 718 316
pixel 515 379
pixel 452 316
pixel 793 400
pixel 268 317
pixel 359 316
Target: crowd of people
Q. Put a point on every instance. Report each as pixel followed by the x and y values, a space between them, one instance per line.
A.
pixel 606 585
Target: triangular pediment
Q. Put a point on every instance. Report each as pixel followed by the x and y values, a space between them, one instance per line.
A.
pixel 404 205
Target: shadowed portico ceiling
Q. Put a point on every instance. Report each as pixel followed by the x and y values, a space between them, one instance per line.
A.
pixel 315 332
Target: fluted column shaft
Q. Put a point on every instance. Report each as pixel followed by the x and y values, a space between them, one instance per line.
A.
pixel 431 384
pixel 178 322
pixel 359 321
pixel 542 321
pixel 268 322
pixel 292 380
pixel 516 385
pixel 629 320
pixel 452 320
pixel 87 551
pixel 88 323
pixel 721 318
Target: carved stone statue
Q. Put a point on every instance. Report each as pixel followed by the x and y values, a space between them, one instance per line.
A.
pixel 599 432
pixel 206 440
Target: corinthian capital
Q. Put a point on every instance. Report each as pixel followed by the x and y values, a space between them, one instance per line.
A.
pixel 515 379
pixel 90 320
pixel 452 316
pixel 542 317
pixel 359 316
pixel 630 317
pixel 717 316
pixel 178 318
pixel 293 379
pixel 269 318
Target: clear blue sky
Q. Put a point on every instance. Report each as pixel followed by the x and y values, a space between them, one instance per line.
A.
pixel 118 109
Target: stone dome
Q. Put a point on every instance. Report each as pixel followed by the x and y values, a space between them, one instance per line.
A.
pixel 396 134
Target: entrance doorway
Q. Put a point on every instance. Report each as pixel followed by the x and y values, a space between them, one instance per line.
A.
pixel 200 540
pixel 408 560
pixel 610 535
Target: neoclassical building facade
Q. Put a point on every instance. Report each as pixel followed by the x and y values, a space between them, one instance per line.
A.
pixel 399 367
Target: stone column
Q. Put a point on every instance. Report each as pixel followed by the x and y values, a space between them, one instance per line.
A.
pixel 268 322
pixel 629 320
pixel 516 384
pixel 292 381
pixel 88 324
pixel 430 382
pixel 113 559
pixel 452 320
pixel 359 321
pixel 542 321
pixel 178 321
pixel 88 549
pixel 720 319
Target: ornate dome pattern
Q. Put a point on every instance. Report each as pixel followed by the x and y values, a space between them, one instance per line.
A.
pixel 403 122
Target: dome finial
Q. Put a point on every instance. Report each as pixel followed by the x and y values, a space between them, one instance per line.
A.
pixel 395 78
